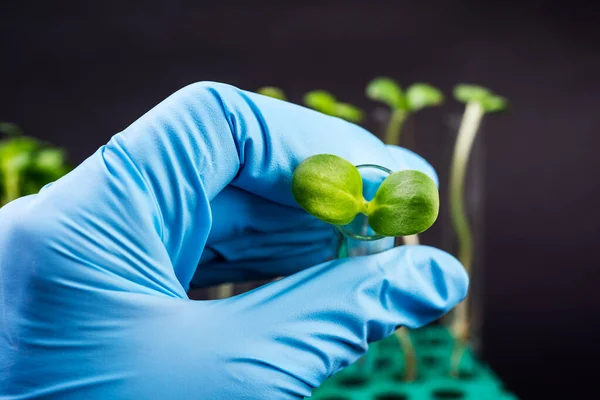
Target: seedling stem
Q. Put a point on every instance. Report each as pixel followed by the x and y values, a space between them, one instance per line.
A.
pixel 394 128
pixel 479 101
pixel 410 355
pixel 12 191
pixel 464 142
pixel 467 132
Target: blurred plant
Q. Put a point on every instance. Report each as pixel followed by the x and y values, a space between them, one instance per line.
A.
pixel 325 102
pixel 26 164
pixel 272 91
pixel 322 101
pixel 417 96
pixel 389 92
pixel 479 101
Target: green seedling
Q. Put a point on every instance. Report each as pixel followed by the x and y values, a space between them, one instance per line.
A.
pixel 16 156
pixel 26 164
pixel 10 129
pixel 326 103
pixel 331 189
pixel 479 101
pixel 402 104
pixel 272 91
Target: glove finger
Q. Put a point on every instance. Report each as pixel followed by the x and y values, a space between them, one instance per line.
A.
pixel 282 263
pixel 266 246
pixel 310 325
pixel 254 238
pixel 237 213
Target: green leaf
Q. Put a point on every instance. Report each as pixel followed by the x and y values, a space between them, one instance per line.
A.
pixel 16 154
pixel 494 103
pixel 406 203
pixel 421 95
pixel 488 100
pixel 50 159
pixel 272 91
pixel 468 93
pixel 48 165
pixel 349 112
pixel 10 129
pixel 329 188
pixel 387 91
pixel 326 103
pixel 321 101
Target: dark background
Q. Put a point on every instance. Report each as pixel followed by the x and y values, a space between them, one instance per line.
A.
pixel 75 73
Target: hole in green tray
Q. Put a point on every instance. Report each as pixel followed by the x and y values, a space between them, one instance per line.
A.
pixel 430 361
pixel 466 375
pixel 391 396
pixel 431 342
pixel 448 394
pixel 383 363
pixel 400 377
pixel 353 381
pixel 387 344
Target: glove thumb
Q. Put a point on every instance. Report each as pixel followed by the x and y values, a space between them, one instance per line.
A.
pixel 294 333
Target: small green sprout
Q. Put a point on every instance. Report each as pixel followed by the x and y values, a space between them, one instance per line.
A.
pixel 26 164
pixel 10 129
pixel 325 102
pixel 422 95
pixel 331 189
pixel 489 101
pixel 389 92
pixel 479 101
pixel 16 156
pixel 272 91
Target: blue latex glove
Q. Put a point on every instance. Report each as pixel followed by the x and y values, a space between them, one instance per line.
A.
pixel 94 269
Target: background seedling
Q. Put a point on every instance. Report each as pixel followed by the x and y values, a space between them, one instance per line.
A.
pixel 26 164
pixel 401 104
pixel 322 101
pixel 479 101
pixel 272 91
pixel 325 102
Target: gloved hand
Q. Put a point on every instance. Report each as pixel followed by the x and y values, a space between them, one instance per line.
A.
pixel 94 269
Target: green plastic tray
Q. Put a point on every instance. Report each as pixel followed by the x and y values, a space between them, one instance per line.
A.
pixel 379 374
